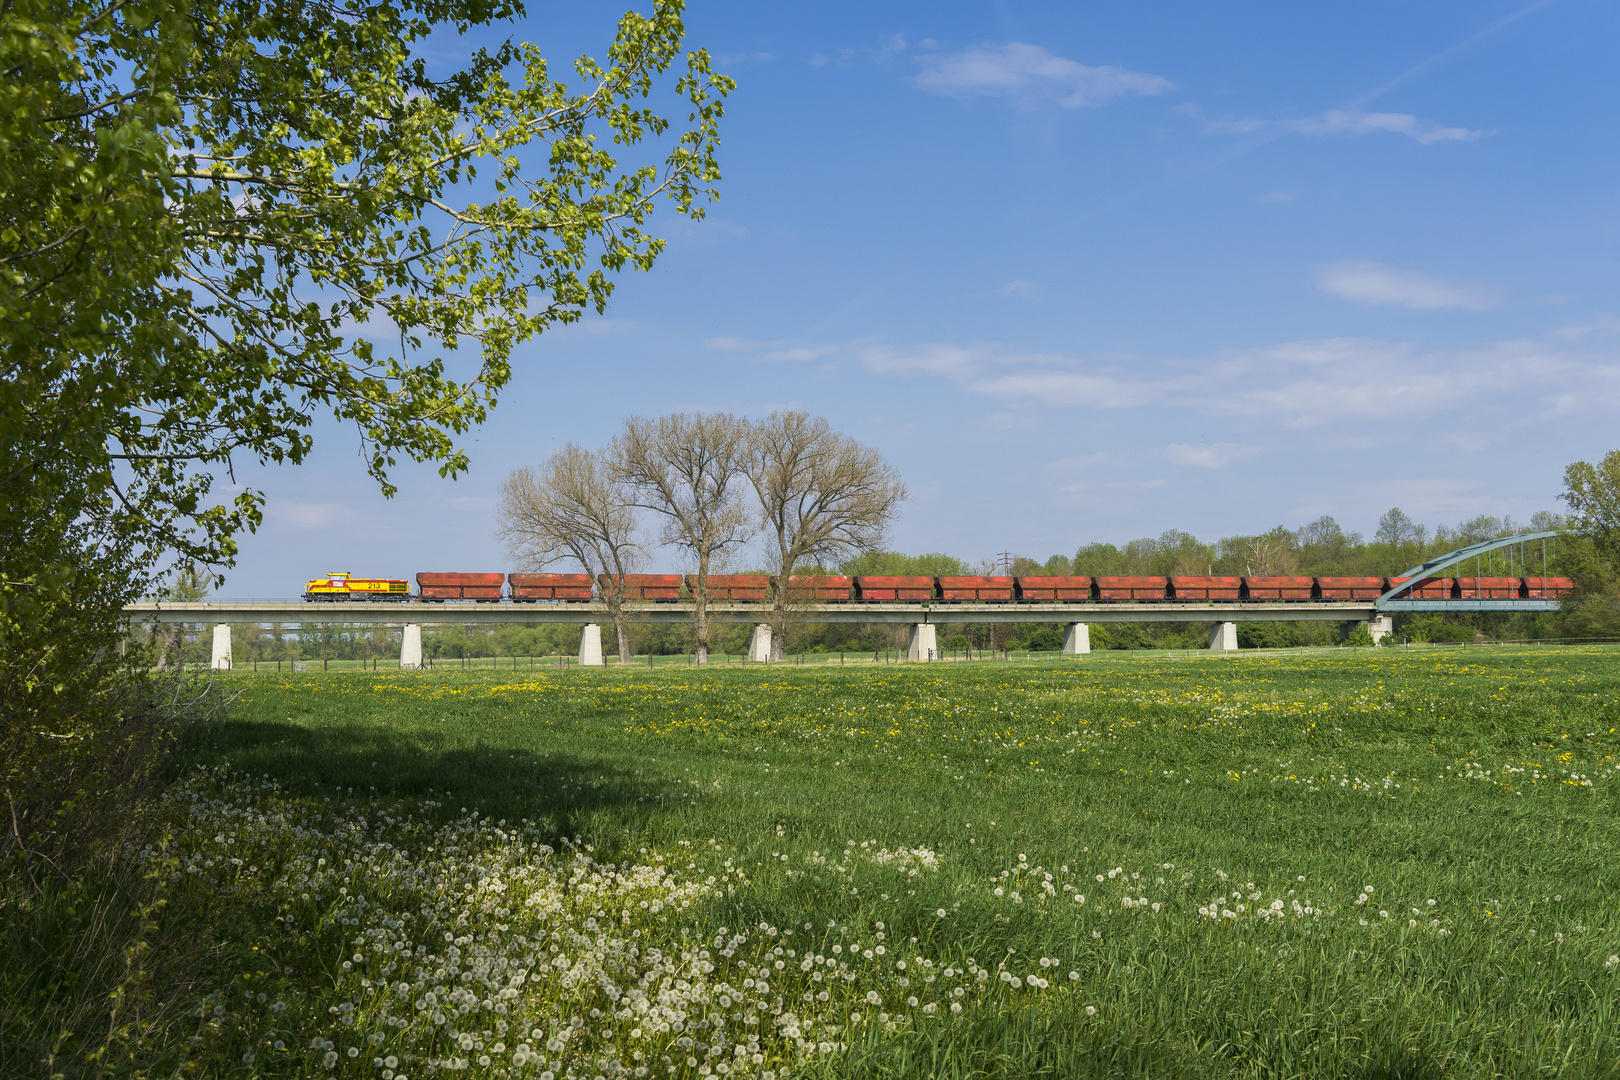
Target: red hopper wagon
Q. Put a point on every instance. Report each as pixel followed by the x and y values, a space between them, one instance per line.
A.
pixel 869 588
pixel 1429 588
pixel 1051 589
pixel 738 588
pixel 1547 588
pixel 825 589
pixel 480 587
pixel 1488 588
pixel 1279 588
pixel 662 587
pixel 996 590
pixel 529 588
pixel 1206 588
pixel 1349 588
pixel 1131 588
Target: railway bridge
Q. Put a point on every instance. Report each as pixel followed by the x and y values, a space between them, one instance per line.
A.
pixel 924 618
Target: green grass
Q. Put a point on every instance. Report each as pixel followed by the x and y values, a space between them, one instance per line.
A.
pixel 1478 787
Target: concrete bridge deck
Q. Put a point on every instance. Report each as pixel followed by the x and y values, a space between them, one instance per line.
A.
pixel 924 619
pixel 373 612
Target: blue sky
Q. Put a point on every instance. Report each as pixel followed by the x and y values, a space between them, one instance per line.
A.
pixel 1093 271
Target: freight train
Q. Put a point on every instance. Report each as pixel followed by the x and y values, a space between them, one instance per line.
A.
pixel 835 589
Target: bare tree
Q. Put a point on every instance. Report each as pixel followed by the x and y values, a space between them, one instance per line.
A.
pixel 823 495
pixel 1269 556
pixel 688 467
pixel 574 508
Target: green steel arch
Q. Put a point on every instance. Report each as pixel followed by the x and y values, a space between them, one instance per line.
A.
pixel 1392 601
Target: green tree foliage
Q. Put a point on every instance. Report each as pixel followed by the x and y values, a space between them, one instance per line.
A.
pixel 221 219
pixel 1268 635
pixel 897 564
pixel 1592 493
pixel 1055 566
pixel 214 212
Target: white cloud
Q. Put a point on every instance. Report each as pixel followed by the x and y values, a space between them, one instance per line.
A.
pixel 799 354
pixel 1354 122
pixel 1373 283
pixel 1243 125
pixel 1099 390
pixel 1028 75
pixel 704 232
pixel 1084 461
pixel 1240 126
pixel 1302 384
pixel 780 350
pixel 1600 324
pixel 1202 455
pixel 953 361
pixel 1019 287
pixel 307 516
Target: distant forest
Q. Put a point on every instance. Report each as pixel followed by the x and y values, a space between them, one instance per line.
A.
pixel 1321 547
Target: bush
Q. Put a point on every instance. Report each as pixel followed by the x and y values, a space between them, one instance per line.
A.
pixel 1039 639
pixel 1432 627
pixel 1269 635
pixel 1359 638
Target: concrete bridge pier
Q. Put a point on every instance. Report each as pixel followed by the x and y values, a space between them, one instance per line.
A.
pixel 1223 638
pixel 222 647
pixel 759 644
pixel 1378 627
pixel 923 645
pixel 590 646
pixel 410 647
pixel 1077 638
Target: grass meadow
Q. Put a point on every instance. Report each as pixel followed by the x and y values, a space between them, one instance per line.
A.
pixel 1358 863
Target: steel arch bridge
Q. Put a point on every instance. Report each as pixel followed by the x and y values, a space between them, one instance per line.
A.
pixel 1399 599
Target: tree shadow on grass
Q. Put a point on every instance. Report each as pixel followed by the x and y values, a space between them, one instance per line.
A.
pixel 558 789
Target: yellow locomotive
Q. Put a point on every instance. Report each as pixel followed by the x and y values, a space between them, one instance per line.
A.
pixel 342 585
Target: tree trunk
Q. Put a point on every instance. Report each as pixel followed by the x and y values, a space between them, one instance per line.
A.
pixel 700 611
pixel 622 629
pixel 780 599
